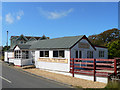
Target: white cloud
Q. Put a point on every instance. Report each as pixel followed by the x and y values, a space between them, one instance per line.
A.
pixel 55 14
pixel 9 18
pixel 19 14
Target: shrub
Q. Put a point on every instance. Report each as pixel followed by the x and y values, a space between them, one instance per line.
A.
pixel 113 84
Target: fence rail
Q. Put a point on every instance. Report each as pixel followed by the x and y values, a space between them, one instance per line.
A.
pixel 95 67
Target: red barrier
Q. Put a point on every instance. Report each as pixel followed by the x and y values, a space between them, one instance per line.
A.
pixel 94 67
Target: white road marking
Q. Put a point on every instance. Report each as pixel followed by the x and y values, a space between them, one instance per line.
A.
pixel 5 79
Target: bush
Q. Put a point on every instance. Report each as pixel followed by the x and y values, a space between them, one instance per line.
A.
pixel 2 58
pixel 113 84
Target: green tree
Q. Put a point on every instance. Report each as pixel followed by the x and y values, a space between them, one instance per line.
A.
pixel 5 48
pixel 114 49
pixel 105 37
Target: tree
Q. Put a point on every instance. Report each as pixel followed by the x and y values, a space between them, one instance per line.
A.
pixel 5 48
pixel 105 37
pixel 114 49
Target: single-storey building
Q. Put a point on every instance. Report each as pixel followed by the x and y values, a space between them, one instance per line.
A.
pixel 55 54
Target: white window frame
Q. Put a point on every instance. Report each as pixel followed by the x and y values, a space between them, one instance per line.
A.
pixel 101 53
pixel 91 54
pixel 17 54
pixel 25 57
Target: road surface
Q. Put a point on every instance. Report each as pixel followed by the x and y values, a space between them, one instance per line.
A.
pixel 14 78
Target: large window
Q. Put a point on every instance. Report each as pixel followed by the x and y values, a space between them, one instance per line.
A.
pixel 44 53
pixel 21 54
pixel 59 53
pixel 101 53
pixel 89 54
pixel 25 54
pixel 17 54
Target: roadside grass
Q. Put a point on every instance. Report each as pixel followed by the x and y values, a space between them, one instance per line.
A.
pixel 110 85
pixel 114 84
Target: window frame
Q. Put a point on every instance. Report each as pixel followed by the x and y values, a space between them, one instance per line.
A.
pixel 101 53
pixel 44 53
pixel 17 54
pixel 90 54
pixel 58 52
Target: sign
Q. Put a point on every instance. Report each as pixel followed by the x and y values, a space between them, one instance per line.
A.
pixel 83 45
pixel 56 60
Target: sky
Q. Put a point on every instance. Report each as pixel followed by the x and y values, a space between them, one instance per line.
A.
pixel 57 19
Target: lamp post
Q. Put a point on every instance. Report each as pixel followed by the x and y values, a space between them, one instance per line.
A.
pixel 7 47
pixel 7 40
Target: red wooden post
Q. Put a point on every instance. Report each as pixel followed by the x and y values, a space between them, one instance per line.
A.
pixel 73 68
pixel 115 67
pixel 94 69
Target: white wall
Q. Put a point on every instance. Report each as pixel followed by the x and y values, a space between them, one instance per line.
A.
pixel 17 62
pixel 17 48
pixel 6 56
pixel 52 65
pixel 11 57
pixel 98 79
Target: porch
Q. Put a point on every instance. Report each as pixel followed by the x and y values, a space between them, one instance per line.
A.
pixel 22 58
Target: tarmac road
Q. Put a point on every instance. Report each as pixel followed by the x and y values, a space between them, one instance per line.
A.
pixel 13 78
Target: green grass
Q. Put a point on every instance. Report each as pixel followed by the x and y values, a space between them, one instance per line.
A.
pixel 113 84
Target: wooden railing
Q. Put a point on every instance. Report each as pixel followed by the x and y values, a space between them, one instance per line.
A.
pixel 95 67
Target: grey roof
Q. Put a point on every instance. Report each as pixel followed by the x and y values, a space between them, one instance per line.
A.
pixel 23 46
pixel 57 43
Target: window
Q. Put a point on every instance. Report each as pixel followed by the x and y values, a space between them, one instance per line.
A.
pixel 101 53
pixel 76 54
pixel 41 53
pixel 55 53
pixel 17 54
pixel 59 53
pixel 89 54
pixel 25 54
pixel 80 54
pixel 44 53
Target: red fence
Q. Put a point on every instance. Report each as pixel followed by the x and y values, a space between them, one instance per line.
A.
pixel 95 67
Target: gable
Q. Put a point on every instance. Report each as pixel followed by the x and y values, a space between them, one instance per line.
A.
pixel 32 39
pixel 22 38
pixel 16 48
pixel 86 42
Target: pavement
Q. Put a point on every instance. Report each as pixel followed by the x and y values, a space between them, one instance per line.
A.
pixel 14 78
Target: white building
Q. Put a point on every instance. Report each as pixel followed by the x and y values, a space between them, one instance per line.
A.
pixel 55 54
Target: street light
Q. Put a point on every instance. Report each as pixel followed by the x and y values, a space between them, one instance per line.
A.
pixel 7 40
